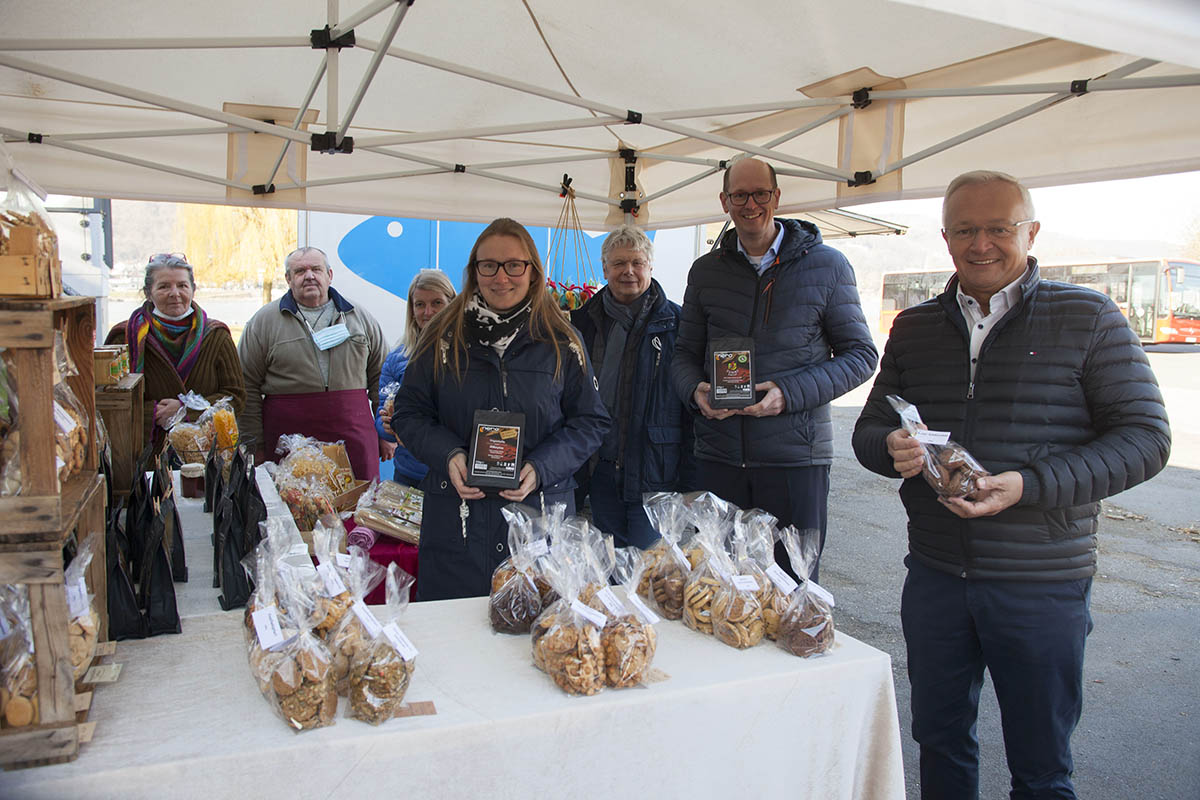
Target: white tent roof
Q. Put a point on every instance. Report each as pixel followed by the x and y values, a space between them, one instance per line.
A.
pixel 193 101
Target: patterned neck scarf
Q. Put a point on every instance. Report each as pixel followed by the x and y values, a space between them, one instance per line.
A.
pixel 491 328
pixel 178 341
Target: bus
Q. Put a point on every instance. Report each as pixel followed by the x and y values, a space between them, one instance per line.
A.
pixel 1159 297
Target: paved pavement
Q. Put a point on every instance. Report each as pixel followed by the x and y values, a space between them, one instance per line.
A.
pixel 1140 733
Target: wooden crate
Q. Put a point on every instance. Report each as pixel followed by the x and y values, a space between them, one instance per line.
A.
pixel 27 327
pixel 123 408
pixel 26 273
pixel 39 566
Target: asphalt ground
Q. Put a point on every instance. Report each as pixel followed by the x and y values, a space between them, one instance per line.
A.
pixel 1140 732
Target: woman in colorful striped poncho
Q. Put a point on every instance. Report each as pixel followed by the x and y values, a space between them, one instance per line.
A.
pixel 177 346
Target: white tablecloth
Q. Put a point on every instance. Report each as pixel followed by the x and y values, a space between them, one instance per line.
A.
pixel 186 720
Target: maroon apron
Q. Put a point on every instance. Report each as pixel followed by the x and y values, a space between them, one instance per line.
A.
pixel 343 415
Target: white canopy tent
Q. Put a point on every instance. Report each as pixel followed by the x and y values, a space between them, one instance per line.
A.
pixel 467 110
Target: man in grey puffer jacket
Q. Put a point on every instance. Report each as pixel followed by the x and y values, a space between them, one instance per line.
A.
pixel 772 281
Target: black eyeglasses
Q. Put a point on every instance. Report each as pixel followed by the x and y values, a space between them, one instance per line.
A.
pixel 513 269
pixel 762 197
pixel 169 259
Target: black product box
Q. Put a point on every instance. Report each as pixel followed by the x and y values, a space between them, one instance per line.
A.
pixel 497 449
pixel 731 367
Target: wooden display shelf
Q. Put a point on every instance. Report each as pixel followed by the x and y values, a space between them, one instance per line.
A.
pixel 123 408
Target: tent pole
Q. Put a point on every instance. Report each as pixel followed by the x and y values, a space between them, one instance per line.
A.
pixel 803 129
pixel 312 91
pixel 680 185
pixel 494 130
pixel 331 70
pixel 381 176
pixel 358 18
pixel 82 137
pixel 372 68
pixel 150 98
pixel 533 162
pixel 604 108
pixel 1107 84
pixel 156 43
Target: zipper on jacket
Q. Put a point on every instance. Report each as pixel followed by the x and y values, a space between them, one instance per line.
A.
pixel 750 334
pixel 504 381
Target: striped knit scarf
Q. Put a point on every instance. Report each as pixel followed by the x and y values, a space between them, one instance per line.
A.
pixel 178 341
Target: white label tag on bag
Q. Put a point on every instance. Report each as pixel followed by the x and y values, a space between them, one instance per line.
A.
pixel 612 602
pixel 932 437
pixel 66 423
pixel 367 618
pixel 593 616
pixel 781 579
pixel 821 592
pixel 77 600
pixel 343 560
pixel 745 583
pixel 538 548
pixel 333 582
pixel 681 557
pixel 399 642
pixel 643 610
pixel 266 625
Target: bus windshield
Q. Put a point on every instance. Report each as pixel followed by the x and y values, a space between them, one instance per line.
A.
pixel 1184 295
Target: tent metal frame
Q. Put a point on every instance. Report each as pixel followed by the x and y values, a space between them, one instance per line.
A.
pixel 604 114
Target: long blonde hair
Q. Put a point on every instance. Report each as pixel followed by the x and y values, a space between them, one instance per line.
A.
pixel 428 280
pixel 546 322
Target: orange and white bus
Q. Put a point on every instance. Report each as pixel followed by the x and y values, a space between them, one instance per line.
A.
pixel 1159 297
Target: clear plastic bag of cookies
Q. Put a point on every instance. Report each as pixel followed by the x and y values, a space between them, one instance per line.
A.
pixel 387 401
pixel 515 600
pixel 359 626
pixel 187 439
pixel 304 458
pixel 380 672
pixel 83 623
pixel 220 424
pixel 806 627
pixel 566 637
pixel 18 670
pixel 22 206
pixel 71 431
pixel 949 468
pixel 628 638
pixel 668 574
pixel 10 434
pixel 713 518
pixel 754 535
pixel 736 612
pixel 308 498
pixel 333 596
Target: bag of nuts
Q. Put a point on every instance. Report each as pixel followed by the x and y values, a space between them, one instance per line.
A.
pixel 566 637
pixel 515 600
pixel 18 671
pixel 356 629
pixel 668 567
pixel 949 468
pixel 381 671
pixel 83 623
pixel 806 627
pixel 628 639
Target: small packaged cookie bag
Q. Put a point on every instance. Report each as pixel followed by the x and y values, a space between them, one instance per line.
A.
pixel 515 599
pixel 949 468
pixel 18 671
pixel 712 517
pixel 806 627
pixel 381 671
pixel 628 639
pixel 304 458
pixel 667 566
pixel 332 592
pixel 754 535
pixel 357 628
pixel 83 623
pixel 566 637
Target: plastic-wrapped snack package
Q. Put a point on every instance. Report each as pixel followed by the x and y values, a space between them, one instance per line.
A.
pixel 220 424
pixel 83 625
pixel 18 670
pixel 949 468
pixel 599 558
pixel 70 431
pixel 358 628
pixel 669 573
pixel 303 457
pixel 628 639
pixel 515 600
pixel 381 672
pixel 754 536
pixel 566 637
pixel 736 611
pixel 187 439
pixel 298 663
pixel 387 401
pixel 806 627
pixel 333 595
pixel 712 517
pixel 308 498
pixel 391 509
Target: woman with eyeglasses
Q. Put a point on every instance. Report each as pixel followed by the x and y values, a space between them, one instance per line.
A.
pixel 429 292
pixel 502 344
pixel 176 346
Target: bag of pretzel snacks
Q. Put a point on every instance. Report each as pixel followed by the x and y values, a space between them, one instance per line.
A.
pixel 381 672
pixel 628 639
pixel 357 628
pixel 806 627
pixel 515 600
pixel 712 517
pixel 949 468
pixel 667 566
pixel 18 670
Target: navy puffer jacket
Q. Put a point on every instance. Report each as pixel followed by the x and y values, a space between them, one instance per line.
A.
pixel 810 338
pixel 1063 393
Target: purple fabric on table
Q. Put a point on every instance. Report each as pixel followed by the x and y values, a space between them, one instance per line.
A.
pixel 361 536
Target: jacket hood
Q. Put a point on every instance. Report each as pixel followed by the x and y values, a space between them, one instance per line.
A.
pixel 797 235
